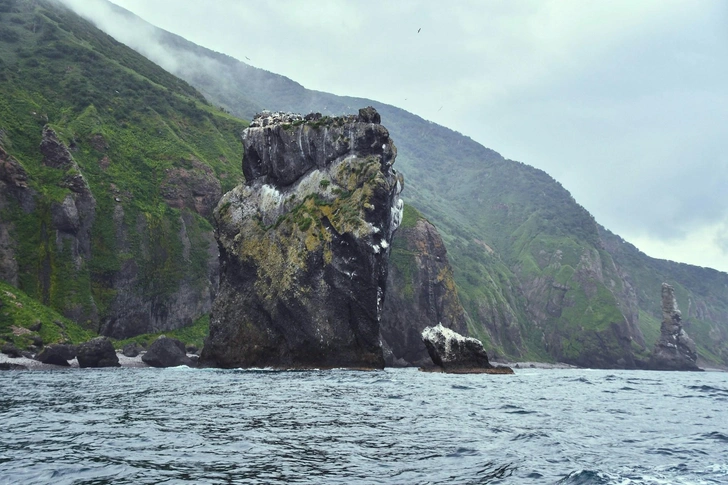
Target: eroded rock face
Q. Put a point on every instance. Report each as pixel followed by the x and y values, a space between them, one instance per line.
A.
pixel 13 185
pixel 421 293
pixel 72 219
pixel 195 188
pixel 304 245
pixel 674 350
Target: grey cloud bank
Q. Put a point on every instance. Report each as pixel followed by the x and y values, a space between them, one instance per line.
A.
pixel 625 103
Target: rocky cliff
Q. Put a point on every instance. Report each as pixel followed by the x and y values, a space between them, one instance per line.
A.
pixel 304 244
pixel 420 292
pixel 674 350
pixel 13 187
pixel 109 170
pixel 71 220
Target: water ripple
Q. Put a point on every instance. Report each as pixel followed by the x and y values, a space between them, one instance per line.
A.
pixel 145 426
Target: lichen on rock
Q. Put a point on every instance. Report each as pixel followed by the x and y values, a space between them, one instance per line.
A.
pixel 304 244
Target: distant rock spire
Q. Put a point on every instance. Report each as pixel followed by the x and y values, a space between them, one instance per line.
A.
pixel 674 350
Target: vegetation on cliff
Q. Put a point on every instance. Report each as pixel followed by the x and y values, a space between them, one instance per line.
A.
pixel 150 149
pixel 23 321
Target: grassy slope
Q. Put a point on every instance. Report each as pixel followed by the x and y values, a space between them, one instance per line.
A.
pixel 19 312
pixel 110 104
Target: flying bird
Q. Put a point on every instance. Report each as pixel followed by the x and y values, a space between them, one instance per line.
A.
pixel 248 58
pixel 418 30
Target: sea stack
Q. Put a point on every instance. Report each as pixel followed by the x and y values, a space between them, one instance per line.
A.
pixel 304 244
pixel 674 350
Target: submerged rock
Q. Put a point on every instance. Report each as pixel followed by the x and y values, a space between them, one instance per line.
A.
pixel 166 352
pixel 97 352
pixel 674 350
pixel 421 292
pixel 304 245
pixel 457 354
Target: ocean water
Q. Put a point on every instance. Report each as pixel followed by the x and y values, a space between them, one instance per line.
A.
pixel 398 426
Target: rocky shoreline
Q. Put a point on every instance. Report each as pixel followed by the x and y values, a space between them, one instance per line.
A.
pixel 136 362
pixel 32 364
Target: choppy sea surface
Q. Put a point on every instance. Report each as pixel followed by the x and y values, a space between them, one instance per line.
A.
pixel 398 426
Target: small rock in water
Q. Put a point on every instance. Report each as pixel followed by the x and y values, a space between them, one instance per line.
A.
pixel 166 352
pixel 97 352
pixel 57 354
pixel 457 354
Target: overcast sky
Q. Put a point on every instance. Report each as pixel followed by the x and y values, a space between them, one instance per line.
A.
pixel 624 102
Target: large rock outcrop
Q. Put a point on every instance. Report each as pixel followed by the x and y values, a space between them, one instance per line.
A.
pixel 421 292
pixel 674 350
pixel 304 245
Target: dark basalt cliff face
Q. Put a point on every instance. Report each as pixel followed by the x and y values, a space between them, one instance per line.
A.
pixel 674 350
pixel 304 245
pixel 421 292
pixel 13 187
pixel 72 218
pixel 64 238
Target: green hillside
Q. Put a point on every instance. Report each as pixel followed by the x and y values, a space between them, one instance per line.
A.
pixel 23 320
pixel 118 238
